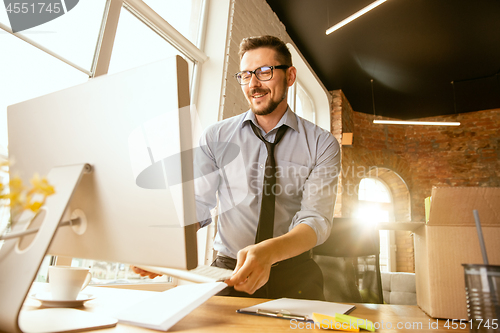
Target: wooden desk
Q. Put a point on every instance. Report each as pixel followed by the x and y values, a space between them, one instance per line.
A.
pixel 219 315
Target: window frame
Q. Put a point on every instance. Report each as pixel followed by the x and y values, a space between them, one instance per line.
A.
pixel 104 48
pixel 299 86
pixel 317 93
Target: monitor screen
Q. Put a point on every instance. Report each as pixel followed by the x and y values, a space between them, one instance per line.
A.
pixel 134 129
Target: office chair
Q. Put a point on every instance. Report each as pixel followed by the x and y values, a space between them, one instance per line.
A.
pixel 349 259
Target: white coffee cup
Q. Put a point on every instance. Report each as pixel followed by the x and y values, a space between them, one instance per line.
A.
pixel 66 282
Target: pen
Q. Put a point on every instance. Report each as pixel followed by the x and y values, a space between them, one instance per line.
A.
pixel 281 314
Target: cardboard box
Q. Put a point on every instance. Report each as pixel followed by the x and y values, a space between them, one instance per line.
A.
pixel 450 239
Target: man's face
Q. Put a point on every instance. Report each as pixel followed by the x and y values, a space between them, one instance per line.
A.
pixel 264 96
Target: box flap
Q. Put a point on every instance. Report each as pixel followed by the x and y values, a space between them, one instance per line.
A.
pixel 454 205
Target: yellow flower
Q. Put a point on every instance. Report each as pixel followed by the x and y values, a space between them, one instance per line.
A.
pixel 20 199
pixel 16 188
pixel 41 189
pixel 16 185
pixel 41 186
pixel 34 206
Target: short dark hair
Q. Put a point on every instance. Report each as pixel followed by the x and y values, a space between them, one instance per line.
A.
pixel 282 53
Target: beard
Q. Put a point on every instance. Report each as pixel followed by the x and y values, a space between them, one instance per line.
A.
pixel 267 109
pixel 271 105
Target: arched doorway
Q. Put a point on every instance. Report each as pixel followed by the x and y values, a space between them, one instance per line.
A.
pixel 375 205
pixel 384 197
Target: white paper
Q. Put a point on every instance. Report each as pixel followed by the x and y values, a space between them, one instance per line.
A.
pixel 163 310
pixel 300 307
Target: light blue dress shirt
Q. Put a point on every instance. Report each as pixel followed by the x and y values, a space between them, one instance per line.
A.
pixel 229 168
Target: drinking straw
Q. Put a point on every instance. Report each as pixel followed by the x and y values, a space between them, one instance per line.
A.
pixel 491 284
pixel 480 235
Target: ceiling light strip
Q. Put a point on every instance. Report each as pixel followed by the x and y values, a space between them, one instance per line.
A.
pixel 404 122
pixel 355 16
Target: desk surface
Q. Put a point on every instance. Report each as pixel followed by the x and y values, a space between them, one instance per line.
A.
pixel 219 315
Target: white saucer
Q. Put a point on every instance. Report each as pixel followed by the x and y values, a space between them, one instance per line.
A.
pixel 46 299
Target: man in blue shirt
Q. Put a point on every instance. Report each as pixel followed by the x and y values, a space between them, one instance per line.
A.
pixel 307 162
pixel 273 177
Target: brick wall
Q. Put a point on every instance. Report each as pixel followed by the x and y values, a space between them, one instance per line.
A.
pixel 248 18
pixel 405 254
pixel 467 155
pixel 421 156
pixel 337 127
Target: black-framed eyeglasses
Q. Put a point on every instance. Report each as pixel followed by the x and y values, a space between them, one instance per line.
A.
pixel 264 73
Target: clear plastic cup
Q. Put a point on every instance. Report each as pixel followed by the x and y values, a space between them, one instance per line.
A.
pixel 482 290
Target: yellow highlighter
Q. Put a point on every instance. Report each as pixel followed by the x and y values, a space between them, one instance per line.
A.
pixel 359 322
pixel 329 322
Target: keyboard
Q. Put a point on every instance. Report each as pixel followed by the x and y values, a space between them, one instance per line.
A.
pixel 200 274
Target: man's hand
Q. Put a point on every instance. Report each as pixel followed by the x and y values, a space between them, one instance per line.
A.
pixel 252 268
pixel 254 261
pixel 143 272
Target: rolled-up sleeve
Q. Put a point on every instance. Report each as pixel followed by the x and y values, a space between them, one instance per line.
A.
pixel 206 180
pixel 320 189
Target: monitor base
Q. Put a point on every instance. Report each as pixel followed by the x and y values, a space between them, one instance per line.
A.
pixel 20 264
pixel 62 320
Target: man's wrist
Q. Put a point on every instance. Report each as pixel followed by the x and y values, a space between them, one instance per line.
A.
pixel 273 247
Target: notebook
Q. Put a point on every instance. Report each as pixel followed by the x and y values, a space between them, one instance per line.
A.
pixel 165 309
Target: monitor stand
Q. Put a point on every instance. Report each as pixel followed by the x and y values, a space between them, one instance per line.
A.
pixel 19 266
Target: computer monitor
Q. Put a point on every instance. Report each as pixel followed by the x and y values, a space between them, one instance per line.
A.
pixel 130 127
pixel 134 129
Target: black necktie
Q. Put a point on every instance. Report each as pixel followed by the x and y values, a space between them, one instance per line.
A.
pixel 266 217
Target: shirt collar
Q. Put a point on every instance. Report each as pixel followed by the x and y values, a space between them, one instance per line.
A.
pixel 289 119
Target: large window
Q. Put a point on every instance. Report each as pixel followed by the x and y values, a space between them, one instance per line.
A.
pixel 27 72
pixel 304 105
pixel 62 53
pixel 137 44
pixel 301 103
pixel 184 16
pixel 308 97
pixel 72 36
